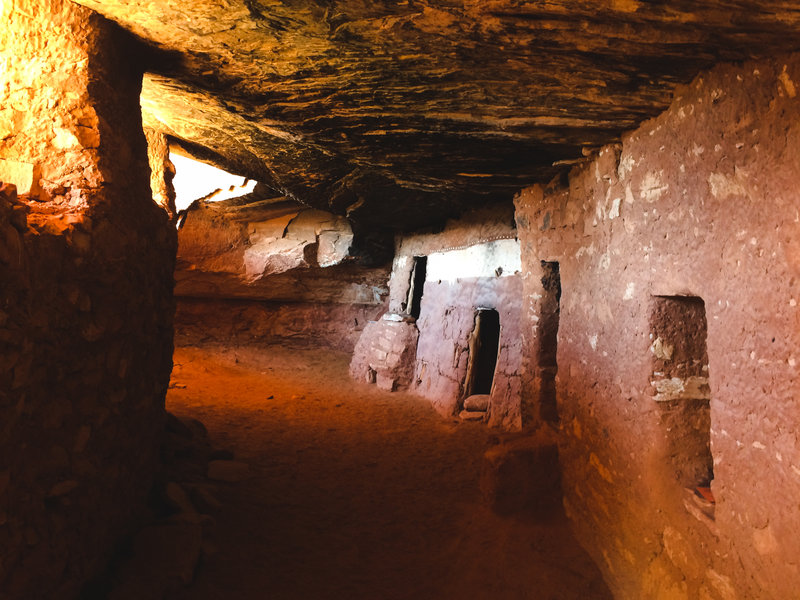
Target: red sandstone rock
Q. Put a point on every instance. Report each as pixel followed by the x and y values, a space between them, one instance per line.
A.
pixel 368 108
pixel 336 324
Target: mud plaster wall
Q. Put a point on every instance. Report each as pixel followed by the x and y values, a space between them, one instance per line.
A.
pixel 701 201
pixel 473 263
pixel 232 322
pixel 85 299
pixel 447 318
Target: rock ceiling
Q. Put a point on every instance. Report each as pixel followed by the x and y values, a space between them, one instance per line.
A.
pixel 398 113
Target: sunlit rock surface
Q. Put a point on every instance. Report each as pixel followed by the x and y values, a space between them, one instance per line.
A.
pixel 271 249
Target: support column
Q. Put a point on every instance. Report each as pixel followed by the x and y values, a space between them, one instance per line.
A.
pixel 86 272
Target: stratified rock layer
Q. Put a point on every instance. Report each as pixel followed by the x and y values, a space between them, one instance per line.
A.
pixel 241 321
pixel 398 113
pixel 255 271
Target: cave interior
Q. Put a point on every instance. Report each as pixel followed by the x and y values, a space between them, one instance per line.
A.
pixel 563 228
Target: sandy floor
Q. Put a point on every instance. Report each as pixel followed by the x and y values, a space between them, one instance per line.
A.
pixel 356 493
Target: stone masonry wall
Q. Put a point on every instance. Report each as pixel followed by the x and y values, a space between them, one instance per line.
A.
pixel 384 353
pixel 86 261
pixel 698 208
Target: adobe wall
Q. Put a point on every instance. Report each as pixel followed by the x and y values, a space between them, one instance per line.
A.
pixel 460 282
pixel 473 263
pixel 86 261
pixel 700 202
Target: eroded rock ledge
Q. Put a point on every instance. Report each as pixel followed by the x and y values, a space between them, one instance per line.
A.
pixel 272 249
pixel 398 113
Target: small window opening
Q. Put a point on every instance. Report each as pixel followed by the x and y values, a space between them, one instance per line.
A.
pixel 484 345
pixel 550 309
pixel 416 285
pixel 680 380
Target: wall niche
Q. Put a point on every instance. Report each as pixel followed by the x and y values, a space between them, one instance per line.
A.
pixel 680 381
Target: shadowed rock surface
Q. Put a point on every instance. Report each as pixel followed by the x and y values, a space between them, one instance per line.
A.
pixel 400 113
pixel 333 508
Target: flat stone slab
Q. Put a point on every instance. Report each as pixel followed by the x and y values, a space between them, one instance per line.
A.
pixel 468 415
pixel 477 402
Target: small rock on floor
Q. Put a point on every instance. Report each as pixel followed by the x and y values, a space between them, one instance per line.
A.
pixel 203 499
pixel 178 499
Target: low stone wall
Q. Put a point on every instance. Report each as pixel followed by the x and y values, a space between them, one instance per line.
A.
pixel 385 353
pixel 677 342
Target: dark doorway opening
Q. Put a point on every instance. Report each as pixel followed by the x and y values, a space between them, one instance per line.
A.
pixel 548 340
pixel 416 285
pixel 484 345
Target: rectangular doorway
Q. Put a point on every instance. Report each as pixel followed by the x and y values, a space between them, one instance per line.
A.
pixel 416 285
pixel 484 344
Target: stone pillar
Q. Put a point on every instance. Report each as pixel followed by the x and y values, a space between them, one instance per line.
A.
pixel 86 271
pixel 532 293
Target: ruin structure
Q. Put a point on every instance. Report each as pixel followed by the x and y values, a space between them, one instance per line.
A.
pixel 574 221
pixel 675 353
pixel 86 269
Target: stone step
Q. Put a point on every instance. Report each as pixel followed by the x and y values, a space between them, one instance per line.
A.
pixel 477 403
pixel 472 415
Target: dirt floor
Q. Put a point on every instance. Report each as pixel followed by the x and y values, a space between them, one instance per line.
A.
pixel 356 493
